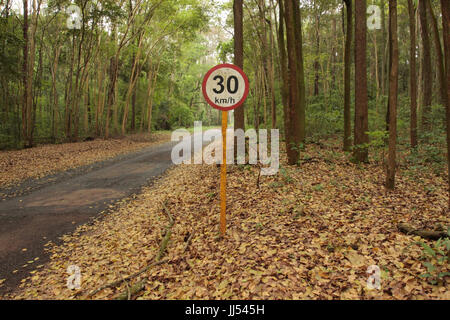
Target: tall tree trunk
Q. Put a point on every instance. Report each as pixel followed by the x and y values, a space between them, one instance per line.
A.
pixel 100 98
pixel 26 84
pixel 87 106
pixel 69 93
pixel 283 67
pixel 131 87
pixel 347 74
pixel 427 70
pixel 293 140
pixel 377 77
pixel 420 68
pixel 393 93
pixel 55 113
pixel 301 102
pixel 412 75
pixel 317 54
pixel 439 55
pixel 239 113
pixel 113 70
pixel 266 60
pixel 334 53
pixel 273 102
pixel 29 51
pixel 133 109
pixel 264 91
pixel 360 152
pixel 445 5
pixel 152 77
pixel 384 48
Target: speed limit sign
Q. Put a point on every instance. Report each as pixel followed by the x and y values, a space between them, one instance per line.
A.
pixel 225 87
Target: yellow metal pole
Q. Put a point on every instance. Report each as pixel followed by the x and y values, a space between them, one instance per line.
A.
pixel 223 175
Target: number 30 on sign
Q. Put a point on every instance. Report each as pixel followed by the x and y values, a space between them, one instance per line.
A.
pixel 225 87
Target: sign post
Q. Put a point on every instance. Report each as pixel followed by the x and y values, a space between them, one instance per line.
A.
pixel 225 87
pixel 223 175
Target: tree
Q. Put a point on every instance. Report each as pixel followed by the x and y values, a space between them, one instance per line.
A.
pixel 317 47
pixel 445 7
pixel 283 67
pixel 360 152
pixel 427 72
pixel 26 112
pixel 239 113
pixel 300 110
pixel 29 51
pixel 347 81
pixel 393 93
pixel 439 55
pixel 412 74
pixel 267 53
pixel 295 61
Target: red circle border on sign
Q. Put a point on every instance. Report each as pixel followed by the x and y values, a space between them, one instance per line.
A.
pixel 240 102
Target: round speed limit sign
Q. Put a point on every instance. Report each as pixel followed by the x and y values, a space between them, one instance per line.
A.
pixel 225 87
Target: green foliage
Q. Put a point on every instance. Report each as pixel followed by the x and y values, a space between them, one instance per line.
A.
pixel 287 178
pixel 377 139
pixel 324 115
pixel 174 37
pixel 429 153
pixel 181 116
pixel 436 260
pixel 226 50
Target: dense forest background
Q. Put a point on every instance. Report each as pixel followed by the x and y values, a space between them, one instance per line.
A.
pixel 100 69
pixel 103 69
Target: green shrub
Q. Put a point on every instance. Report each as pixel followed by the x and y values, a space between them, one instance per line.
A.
pixel 437 259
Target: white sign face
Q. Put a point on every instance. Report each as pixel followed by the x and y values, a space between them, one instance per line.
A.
pixel 225 87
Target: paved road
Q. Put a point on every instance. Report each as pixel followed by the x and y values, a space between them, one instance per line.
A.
pixel 29 221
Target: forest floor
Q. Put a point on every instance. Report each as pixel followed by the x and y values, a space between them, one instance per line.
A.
pixel 310 232
pixel 18 166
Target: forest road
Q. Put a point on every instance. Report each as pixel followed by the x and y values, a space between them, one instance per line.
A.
pixel 29 221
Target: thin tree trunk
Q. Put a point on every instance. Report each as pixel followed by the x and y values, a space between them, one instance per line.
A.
pixel 334 52
pixel 412 76
pixel 69 93
pixel 273 101
pixel 439 56
pixel 283 67
pixel 420 68
pixel 239 113
pixel 100 99
pixel 87 108
pixel 111 92
pixel 301 102
pixel 26 84
pixel 427 70
pixel 317 55
pixel 152 85
pixel 361 99
pixel 384 48
pixel 347 74
pixel 393 94
pixel 133 79
pixel 377 77
pixel 55 115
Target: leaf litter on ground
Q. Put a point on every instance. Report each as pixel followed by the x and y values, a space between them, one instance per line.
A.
pixel 289 239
